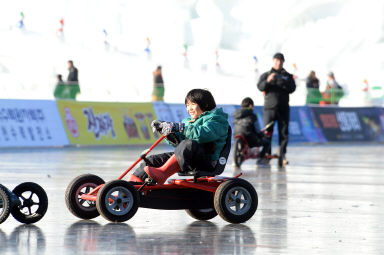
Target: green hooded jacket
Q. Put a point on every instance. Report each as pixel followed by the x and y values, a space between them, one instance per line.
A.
pixel 210 127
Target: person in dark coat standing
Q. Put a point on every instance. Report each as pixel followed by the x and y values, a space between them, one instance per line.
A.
pixel 277 84
pixel 73 73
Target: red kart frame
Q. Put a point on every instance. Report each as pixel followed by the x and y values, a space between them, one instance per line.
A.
pixel 234 199
pixel 242 151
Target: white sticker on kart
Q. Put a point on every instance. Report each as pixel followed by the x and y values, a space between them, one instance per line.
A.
pixel 222 160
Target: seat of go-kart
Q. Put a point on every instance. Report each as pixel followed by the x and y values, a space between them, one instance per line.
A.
pixel 220 165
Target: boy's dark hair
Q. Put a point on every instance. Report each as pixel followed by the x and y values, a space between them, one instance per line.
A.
pixel 247 102
pixel 202 97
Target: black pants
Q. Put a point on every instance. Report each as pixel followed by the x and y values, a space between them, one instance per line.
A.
pixel 189 154
pixel 281 115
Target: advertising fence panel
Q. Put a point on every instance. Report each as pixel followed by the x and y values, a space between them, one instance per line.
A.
pixel 349 124
pixel 26 123
pixel 96 123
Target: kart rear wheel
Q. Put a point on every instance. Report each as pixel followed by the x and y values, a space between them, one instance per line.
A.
pixel 34 203
pixel 117 201
pixel 236 200
pixel 82 184
pixel 202 214
pixel 4 204
pixel 238 156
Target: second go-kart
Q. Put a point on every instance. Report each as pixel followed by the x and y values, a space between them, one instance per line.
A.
pixel 203 196
pixel 27 203
pixel 242 152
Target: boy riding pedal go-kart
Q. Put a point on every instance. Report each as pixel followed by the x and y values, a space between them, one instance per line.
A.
pixel 202 144
pixel 248 139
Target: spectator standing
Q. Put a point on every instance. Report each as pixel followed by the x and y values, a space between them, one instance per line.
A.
pixel 277 84
pixel 313 92
pixel 331 82
pixel 73 73
pixel 158 85
pixel 333 91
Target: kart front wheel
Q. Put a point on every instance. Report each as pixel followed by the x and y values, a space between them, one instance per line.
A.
pixel 34 203
pixel 202 214
pixel 238 156
pixel 117 201
pixel 83 184
pixel 4 204
pixel 236 200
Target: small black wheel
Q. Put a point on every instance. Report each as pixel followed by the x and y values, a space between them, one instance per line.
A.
pixel 236 200
pixel 202 214
pixel 117 201
pixel 82 184
pixel 238 156
pixel 34 203
pixel 4 204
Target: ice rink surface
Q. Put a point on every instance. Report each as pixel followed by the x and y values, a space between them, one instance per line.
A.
pixel 328 200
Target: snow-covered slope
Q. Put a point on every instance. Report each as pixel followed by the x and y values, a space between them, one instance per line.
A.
pixel 107 42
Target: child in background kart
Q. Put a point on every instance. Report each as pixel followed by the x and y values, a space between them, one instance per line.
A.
pixel 245 122
pixel 198 139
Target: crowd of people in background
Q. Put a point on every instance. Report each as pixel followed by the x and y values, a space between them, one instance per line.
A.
pixel 331 95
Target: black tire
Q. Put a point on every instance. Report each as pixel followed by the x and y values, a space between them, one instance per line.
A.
pixel 4 204
pixel 34 203
pixel 82 184
pixel 238 156
pixel 202 214
pixel 125 201
pixel 236 200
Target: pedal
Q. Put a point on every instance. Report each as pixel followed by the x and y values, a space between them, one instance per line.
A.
pixel 149 181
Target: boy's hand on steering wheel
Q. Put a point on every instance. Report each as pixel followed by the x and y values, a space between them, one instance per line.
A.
pixel 171 127
pixel 155 125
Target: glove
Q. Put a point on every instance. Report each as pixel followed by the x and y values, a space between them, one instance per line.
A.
pixel 155 125
pixel 171 127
